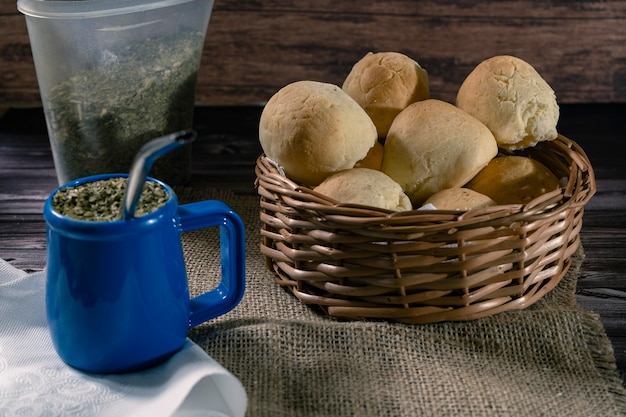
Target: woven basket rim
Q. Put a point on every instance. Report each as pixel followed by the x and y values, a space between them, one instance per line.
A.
pixel 580 186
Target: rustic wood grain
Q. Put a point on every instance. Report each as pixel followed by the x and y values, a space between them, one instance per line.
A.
pixel 253 48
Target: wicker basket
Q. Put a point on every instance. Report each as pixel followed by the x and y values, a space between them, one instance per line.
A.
pixel 423 266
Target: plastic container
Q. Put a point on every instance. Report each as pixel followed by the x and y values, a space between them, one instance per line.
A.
pixel 114 74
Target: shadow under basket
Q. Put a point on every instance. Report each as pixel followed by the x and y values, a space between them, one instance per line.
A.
pixel 424 266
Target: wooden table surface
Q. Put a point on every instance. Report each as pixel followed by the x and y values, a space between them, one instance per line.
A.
pixel 224 157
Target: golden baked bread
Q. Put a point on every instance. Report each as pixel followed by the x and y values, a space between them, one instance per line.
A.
pixel 433 145
pixel 367 187
pixel 385 83
pixel 314 129
pixel 514 180
pixel 373 159
pixel 460 199
pixel 509 96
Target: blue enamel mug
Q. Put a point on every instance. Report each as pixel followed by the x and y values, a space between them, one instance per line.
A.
pixel 117 296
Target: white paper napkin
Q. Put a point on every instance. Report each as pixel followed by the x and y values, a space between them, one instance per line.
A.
pixel 34 381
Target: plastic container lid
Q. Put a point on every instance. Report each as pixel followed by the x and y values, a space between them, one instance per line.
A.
pixel 79 9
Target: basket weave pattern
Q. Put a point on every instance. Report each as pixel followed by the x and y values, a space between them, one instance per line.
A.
pixel 423 266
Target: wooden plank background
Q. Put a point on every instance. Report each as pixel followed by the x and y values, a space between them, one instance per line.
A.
pixel 255 47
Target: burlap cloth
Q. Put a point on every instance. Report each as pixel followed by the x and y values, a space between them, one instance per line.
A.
pixel 552 359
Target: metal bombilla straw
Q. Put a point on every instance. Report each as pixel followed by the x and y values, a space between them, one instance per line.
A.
pixel 143 161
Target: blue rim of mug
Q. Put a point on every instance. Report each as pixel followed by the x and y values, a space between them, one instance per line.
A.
pixel 69 225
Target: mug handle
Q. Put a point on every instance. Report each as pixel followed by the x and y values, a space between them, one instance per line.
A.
pixel 228 293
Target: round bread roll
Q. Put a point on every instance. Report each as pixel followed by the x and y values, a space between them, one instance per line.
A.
pixel 313 130
pixel 461 199
pixel 373 159
pixel 385 83
pixel 514 180
pixel 367 187
pixel 509 96
pixel 433 145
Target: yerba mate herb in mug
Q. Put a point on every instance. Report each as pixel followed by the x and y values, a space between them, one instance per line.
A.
pixel 103 200
pixel 101 116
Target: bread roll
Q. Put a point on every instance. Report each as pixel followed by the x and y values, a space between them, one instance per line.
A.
pixel 433 145
pixel 514 180
pixel 367 187
pixel 385 83
pixel 314 129
pixel 509 96
pixel 461 199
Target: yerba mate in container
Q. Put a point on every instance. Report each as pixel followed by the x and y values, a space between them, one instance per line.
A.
pixel 103 200
pixel 114 74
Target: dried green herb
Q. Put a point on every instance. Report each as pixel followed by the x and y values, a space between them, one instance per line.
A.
pixel 100 117
pixel 102 200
